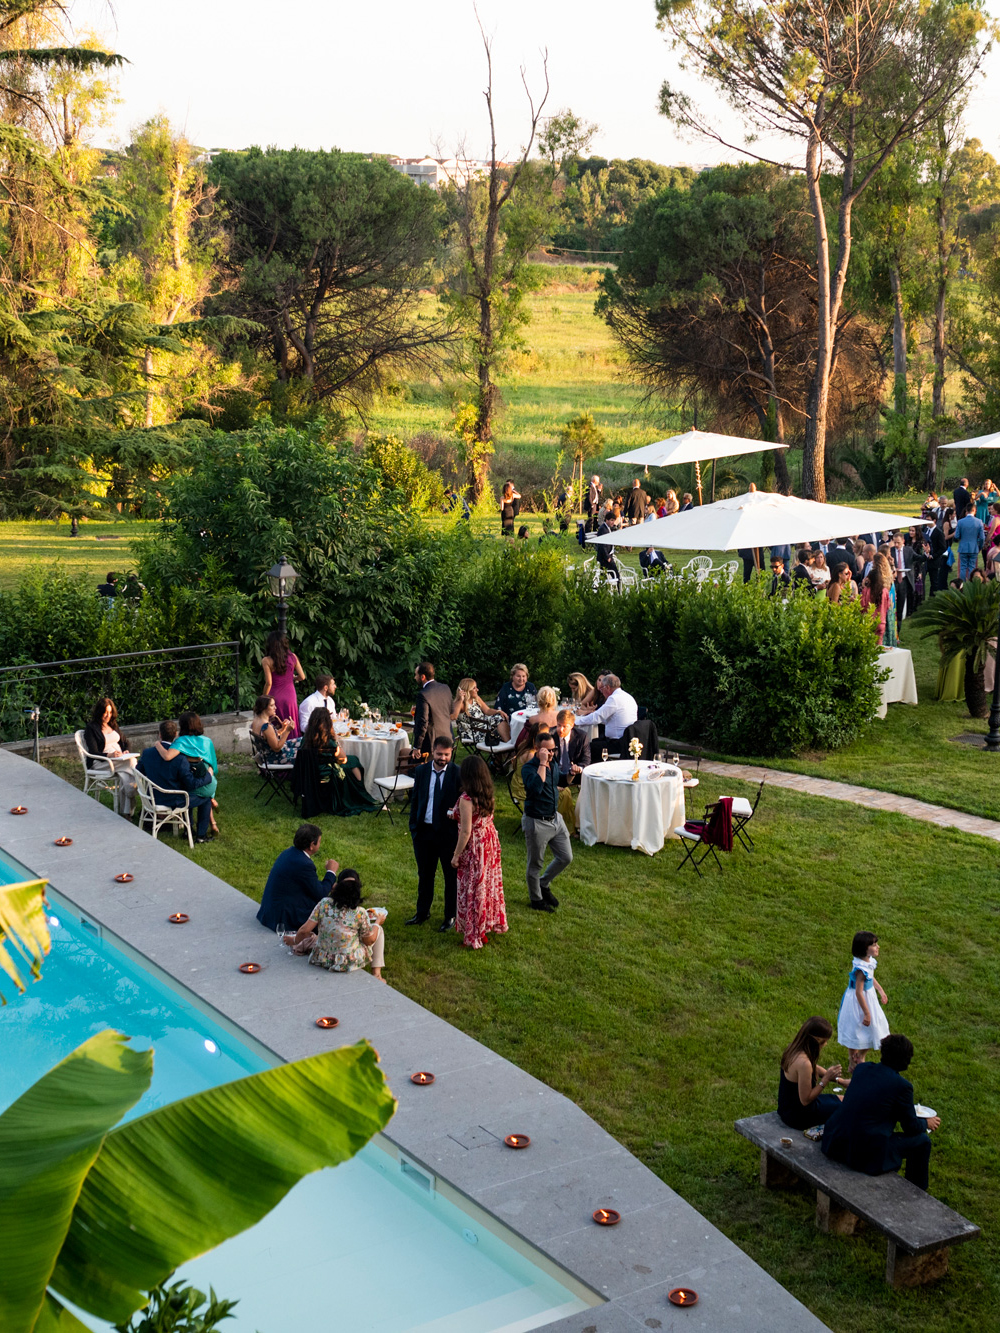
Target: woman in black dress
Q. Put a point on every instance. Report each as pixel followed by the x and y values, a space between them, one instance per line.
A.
pixel 510 507
pixel 802 1101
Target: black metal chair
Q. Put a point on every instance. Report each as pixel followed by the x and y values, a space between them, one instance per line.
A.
pixel 743 812
pixel 715 830
pixel 273 775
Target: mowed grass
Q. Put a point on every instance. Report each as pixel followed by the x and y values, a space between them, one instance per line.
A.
pixel 100 547
pixel 660 1002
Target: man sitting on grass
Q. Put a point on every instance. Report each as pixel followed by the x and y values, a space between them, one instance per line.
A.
pixel 294 887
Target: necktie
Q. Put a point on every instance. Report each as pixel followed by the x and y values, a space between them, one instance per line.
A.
pixel 899 558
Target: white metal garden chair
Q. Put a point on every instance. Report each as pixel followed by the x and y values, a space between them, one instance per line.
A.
pixel 628 579
pixel 698 564
pixel 158 815
pixel 101 777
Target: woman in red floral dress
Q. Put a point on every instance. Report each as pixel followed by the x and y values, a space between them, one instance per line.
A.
pixel 481 909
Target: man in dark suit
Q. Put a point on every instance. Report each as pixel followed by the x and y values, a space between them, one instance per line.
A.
pixel 572 748
pixel 962 497
pixel 635 504
pixel 861 1131
pixel 652 562
pixel 937 561
pixel 606 554
pixel 294 887
pixel 176 777
pixel 901 559
pixel 751 561
pixel 779 579
pixel 436 789
pixel 432 714
pixel 800 574
pixel 843 551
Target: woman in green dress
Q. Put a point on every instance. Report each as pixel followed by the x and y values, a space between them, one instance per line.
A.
pixel 325 778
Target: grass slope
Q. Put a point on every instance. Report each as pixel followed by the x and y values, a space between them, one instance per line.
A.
pixel 660 1002
pixel 98 548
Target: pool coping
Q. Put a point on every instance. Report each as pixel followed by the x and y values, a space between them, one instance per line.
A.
pixel 454 1129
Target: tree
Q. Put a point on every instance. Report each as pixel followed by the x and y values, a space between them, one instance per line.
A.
pixel 601 197
pixel 98 1213
pixel 582 438
pixel 564 137
pixel 713 297
pixel 328 252
pixel 497 216
pixel 851 80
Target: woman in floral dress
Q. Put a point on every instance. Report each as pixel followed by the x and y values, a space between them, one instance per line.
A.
pixel 341 935
pixel 481 909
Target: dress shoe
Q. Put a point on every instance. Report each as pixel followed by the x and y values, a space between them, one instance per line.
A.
pixel 447 924
pixel 541 905
pixel 416 920
pixel 549 897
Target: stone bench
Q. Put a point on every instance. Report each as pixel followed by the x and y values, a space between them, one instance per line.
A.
pixel 919 1229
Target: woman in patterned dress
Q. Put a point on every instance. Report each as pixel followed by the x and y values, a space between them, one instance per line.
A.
pixel 481 909
pixel 341 935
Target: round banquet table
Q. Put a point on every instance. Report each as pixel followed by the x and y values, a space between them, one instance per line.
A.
pixel 613 809
pixel 518 719
pixel 376 750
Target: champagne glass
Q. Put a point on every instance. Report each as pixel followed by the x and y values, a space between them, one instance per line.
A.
pixel 604 756
pixel 281 931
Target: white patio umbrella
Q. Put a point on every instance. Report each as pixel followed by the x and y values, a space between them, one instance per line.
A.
pixel 694 446
pixel 977 442
pixel 758 518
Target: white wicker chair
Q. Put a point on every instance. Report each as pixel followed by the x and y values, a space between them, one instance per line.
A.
pixel 159 815
pixel 629 578
pixel 96 779
pixel 698 567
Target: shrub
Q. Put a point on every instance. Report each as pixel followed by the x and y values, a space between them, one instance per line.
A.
pixel 405 471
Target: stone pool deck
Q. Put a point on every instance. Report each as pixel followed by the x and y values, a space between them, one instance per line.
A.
pixel 454 1128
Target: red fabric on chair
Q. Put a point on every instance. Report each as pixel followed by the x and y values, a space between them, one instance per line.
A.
pixel 720 826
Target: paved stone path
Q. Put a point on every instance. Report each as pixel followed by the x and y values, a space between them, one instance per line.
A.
pixel 866 796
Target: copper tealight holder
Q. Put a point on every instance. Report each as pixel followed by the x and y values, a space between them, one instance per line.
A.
pixel 682 1296
pixel 64 842
pixel 178 918
pixel 18 809
pixel 607 1217
pixel 250 967
pixel 124 878
pixel 327 1022
pixel 517 1141
pixel 422 1077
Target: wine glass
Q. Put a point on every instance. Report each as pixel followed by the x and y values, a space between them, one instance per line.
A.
pixel 281 931
pixel 604 756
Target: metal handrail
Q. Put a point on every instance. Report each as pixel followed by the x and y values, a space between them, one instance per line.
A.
pixel 116 657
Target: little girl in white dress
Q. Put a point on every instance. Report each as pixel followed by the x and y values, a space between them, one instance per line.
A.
pixel 861 1024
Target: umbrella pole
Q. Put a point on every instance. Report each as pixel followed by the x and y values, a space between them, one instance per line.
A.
pixel 697 480
pixel 713 481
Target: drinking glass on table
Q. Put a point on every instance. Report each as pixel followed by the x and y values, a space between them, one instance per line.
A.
pixel 604 756
pixel 281 931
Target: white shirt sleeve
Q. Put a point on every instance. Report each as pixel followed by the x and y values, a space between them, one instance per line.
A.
pixel 305 708
pixel 606 713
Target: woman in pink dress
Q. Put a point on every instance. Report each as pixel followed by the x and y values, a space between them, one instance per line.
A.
pixel 481 909
pixel 281 670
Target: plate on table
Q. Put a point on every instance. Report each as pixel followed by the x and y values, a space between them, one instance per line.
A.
pixel 923 1111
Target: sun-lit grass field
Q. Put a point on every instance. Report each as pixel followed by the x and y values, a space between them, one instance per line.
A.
pixel 99 548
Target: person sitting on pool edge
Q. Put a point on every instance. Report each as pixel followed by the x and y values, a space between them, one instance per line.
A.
pixel 293 886
pixel 341 935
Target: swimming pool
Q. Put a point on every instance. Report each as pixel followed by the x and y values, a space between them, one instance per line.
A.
pixel 374 1245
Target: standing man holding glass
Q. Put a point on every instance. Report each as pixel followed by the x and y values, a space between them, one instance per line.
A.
pixel 436 789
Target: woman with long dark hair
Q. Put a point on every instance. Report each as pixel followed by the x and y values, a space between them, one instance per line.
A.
pixel 481 909
pixel 328 780
pixel 802 1101
pixel 877 596
pixel 281 670
pixel 341 935
pixel 102 736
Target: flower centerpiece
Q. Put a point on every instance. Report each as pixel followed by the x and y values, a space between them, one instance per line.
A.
pixel 635 750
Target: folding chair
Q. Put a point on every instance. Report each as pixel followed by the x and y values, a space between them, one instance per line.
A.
pixel 158 815
pixel 743 812
pixel 272 774
pixel 401 781
pixel 715 830
pixel 499 752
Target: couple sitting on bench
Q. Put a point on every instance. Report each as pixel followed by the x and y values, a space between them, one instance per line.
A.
pixel 861 1131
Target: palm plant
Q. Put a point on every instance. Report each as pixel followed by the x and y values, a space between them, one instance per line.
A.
pixel 965 622
pixel 24 932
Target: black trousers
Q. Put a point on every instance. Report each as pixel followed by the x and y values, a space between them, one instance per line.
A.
pixel 915 1151
pixel 904 599
pixel 432 847
pixel 938 569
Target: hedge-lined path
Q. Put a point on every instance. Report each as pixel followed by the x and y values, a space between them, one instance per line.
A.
pixel 866 796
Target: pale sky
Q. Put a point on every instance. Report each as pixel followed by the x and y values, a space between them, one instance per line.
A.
pixel 395 77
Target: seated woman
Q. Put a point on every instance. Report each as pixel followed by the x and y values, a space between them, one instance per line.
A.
pixel 276 735
pixel 199 748
pixel 341 935
pixel 477 721
pixel 548 707
pixel 819 575
pixel 584 695
pixel 517 693
pixel 327 780
pixel 101 736
pixel 802 1102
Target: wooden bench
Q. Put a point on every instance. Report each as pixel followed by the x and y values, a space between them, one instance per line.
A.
pixel 920 1229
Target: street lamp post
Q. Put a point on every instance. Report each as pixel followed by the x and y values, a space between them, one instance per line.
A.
pixel 281 578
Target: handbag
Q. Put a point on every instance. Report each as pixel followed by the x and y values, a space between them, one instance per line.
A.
pixel 949 557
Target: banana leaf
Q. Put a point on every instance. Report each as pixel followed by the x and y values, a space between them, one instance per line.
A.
pixel 23 924
pixel 49 1140
pixel 178 1181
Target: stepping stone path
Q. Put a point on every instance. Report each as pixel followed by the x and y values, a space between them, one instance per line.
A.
pixel 866 796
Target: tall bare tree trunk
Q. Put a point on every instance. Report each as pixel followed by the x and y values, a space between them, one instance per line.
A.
pixel 898 341
pixel 814 455
pixel 940 307
pixel 147 370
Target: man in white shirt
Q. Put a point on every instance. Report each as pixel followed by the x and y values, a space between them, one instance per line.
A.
pixel 618 711
pixel 321 697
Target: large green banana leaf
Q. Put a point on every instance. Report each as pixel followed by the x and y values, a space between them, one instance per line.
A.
pixel 49 1139
pixel 178 1181
pixel 22 922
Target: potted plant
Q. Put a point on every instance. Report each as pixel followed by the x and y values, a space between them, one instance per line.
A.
pixel 965 621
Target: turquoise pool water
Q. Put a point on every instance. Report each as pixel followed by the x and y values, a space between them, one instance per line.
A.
pixel 363 1247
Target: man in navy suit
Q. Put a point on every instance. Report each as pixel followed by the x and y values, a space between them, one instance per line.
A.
pixel 175 776
pixel 572 748
pixel 294 887
pixel 436 789
pixel 861 1133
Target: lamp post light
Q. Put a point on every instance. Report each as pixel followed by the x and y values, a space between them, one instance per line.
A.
pixel 282 578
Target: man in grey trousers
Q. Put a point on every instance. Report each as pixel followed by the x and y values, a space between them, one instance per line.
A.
pixel 543 825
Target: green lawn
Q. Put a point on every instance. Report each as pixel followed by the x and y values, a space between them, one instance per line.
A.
pixel 100 547
pixel 660 1003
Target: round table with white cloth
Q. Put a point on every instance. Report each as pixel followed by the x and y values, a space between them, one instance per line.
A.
pixel 901 687
pixel 518 719
pixel 376 749
pixel 613 809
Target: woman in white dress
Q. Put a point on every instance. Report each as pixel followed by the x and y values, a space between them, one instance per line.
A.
pixel 819 575
pixel 861 1024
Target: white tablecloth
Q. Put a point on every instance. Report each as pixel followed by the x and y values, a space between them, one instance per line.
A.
pixel 518 719
pixel 613 809
pixel 376 754
pixel 901 687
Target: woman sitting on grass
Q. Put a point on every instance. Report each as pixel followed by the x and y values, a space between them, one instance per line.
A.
pixel 325 778
pixel 341 935
pixel 802 1101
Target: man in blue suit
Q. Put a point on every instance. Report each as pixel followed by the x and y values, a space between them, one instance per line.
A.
pixel 971 536
pixel 294 887
pixel 176 777
pixel 861 1133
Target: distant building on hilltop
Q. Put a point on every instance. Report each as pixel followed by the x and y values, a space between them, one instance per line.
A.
pixel 438 171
